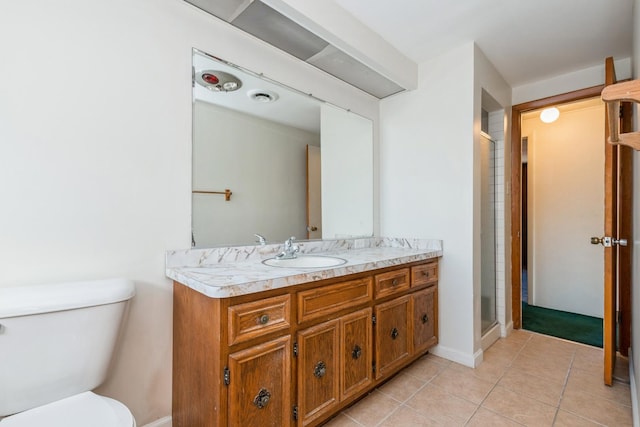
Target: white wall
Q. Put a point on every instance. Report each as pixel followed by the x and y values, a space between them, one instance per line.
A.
pixel 569 82
pixel 426 182
pixel 263 163
pixel 95 140
pixel 566 190
pixel 429 173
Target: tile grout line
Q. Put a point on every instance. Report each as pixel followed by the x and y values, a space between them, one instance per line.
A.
pixel 564 386
pixel 402 403
pixel 520 348
pixel 426 383
pixel 509 366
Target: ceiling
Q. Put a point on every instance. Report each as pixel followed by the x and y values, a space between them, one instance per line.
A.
pixel 526 41
pixel 290 108
pixel 272 26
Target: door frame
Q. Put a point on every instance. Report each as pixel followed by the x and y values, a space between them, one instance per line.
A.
pixel 516 189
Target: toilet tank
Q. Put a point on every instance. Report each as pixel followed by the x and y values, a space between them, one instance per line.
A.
pixel 57 340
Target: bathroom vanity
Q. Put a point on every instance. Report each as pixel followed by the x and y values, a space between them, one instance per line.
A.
pixel 256 345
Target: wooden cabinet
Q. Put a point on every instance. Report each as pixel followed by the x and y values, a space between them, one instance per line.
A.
pixel 356 353
pixel 325 300
pixel 257 318
pixel 424 275
pixel 259 392
pixel 424 318
pixel 296 356
pixel 334 364
pixel 393 338
pixel 318 371
pixel 392 282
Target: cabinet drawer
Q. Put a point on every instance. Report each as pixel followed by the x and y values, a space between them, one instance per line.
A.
pixel 319 302
pixel 254 319
pixel 424 274
pixel 392 282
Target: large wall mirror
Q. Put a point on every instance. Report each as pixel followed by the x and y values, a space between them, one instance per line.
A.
pixel 268 159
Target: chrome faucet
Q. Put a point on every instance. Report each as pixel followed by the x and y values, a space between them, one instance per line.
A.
pixel 290 249
pixel 261 239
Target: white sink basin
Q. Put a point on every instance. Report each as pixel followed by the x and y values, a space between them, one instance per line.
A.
pixel 305 261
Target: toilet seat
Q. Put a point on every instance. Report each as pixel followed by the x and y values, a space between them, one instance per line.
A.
pixel 81 410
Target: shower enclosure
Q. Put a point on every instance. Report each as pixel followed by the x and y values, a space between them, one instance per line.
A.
pixel 488 233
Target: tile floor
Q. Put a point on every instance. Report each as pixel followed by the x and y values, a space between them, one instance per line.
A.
pixel 525 379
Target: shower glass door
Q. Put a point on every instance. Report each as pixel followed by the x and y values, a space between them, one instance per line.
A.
pixel 488 234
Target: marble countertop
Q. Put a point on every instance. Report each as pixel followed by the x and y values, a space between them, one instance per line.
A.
pixel 233 271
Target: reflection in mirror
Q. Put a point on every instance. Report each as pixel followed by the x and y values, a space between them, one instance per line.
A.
pixel 270 160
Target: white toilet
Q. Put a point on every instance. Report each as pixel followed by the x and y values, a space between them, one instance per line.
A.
pixel 56 343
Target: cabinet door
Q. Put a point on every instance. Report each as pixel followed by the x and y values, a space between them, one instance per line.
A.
pixel 425 320
pixel 392 334
pixel 318 371
pixel 260 385
pixel 355 353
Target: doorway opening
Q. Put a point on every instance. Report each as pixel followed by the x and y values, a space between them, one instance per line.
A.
pixel 562 191
pixel 517 236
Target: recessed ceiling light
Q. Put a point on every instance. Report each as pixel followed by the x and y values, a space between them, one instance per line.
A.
pixel 550 115
pixel 262 96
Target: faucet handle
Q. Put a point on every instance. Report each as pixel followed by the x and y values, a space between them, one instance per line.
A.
pixel 261 239
pixel 294 247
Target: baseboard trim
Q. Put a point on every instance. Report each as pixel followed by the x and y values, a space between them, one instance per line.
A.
pixel 466 359
pixel 162 422
pixel 490 337
pixel 505 331
pixel 634 392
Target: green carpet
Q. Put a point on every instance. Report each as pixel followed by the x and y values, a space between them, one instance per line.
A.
pixel 561 324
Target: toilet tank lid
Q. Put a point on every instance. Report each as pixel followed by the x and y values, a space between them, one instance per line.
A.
pixel 37 299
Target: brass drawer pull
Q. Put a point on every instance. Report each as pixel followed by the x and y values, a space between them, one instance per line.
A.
pixel 264 319
pixel 262 398
pixel 425 273
pixel 395 282
pixel 394 333
pixel 357 352
pixel 425 318
pixel 320 369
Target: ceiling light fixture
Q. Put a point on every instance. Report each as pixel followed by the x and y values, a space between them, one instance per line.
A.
pixel 262 96
pixel 550 115
pixel 218 81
